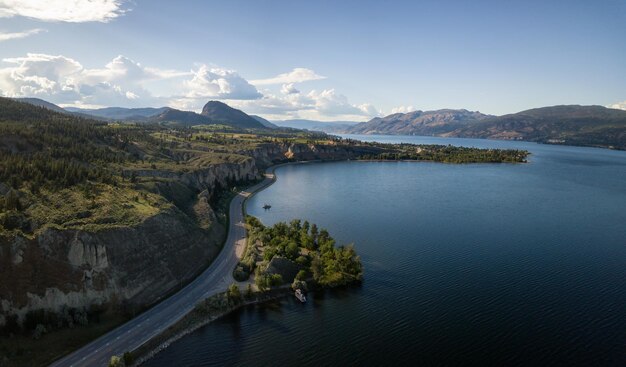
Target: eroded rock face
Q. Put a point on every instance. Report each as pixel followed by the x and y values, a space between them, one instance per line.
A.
pixel 84 252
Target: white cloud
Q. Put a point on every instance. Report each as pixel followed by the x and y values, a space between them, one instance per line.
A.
pixel 219 83
pixel 297 75
pixel 332 103
pixel 126 83
pixel 402 109
pixel 289 89
pixel 18 35
pixel 326 105
pixel 65 80
pixel 74 11
pixel 618 105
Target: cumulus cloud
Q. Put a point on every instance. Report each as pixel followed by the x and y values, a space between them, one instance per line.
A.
pixel 402 109
pixel 74 11
pixel 289 89
pixel 297 75
pixel 66 81
pixel 332 103
pixel 618 105
pixel 127 83
pixel 17 35
pixel 219 83
pixel 326 105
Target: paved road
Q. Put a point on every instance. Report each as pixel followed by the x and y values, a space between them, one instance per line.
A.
pixel 216 278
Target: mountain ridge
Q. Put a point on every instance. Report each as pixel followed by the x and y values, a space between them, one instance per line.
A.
pixel 561 124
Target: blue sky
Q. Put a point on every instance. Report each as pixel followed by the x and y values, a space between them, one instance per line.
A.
pixel 328 60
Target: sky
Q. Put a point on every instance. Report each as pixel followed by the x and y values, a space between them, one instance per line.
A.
pixel 322 60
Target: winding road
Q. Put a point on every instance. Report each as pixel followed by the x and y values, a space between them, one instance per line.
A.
pixel 216 278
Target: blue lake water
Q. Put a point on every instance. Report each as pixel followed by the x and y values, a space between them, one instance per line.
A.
pixel 479 264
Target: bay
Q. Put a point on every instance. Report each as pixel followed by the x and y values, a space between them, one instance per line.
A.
pixel 477 264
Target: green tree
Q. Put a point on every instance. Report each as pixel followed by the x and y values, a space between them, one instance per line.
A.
pixel 233 293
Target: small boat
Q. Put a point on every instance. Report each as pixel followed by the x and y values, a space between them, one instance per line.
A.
pixel 267 206
pixel 300 296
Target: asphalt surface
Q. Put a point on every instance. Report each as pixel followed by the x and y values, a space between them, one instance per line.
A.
pixel 215 279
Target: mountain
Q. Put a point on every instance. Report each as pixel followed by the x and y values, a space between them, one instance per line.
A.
pixel 120 113
pixel 568 124
pixel 41 103
pixel 264 122
pixel 221 113
pixel 325 126
pixel 418 122
pixel 187 118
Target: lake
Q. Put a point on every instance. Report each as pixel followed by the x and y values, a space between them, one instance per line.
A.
pixel 481 264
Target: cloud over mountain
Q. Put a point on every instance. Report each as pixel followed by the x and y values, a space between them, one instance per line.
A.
pixel 219 83
pixel 127 83
pixel 618 105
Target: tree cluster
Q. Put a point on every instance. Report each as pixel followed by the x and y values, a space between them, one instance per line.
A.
pixel 311 248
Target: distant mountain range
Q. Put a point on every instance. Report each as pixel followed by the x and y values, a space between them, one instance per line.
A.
pixel 568 124
pixel 572 125
pixel 119 113
pixel 418 122
pixel 326 126
pixel 214 112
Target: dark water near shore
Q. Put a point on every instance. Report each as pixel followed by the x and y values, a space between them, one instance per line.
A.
pixel 492 265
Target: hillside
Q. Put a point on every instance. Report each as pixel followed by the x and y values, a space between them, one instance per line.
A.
pixel 264 122
pixel 222 113
pixel 178 117
pixel 41 103
pixel 418 122
pixel 573 125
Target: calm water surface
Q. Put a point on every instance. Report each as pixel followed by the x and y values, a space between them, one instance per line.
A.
pixel 481 264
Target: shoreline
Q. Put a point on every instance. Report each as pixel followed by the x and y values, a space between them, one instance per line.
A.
pixel 161 345
pixel 193 320
pixel 273 294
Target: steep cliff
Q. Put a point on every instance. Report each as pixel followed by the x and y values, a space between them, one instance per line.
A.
pixel 134 265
